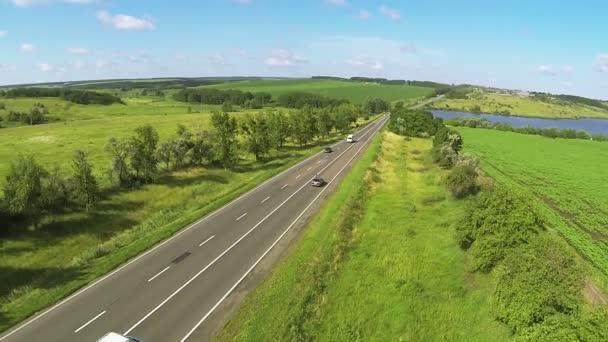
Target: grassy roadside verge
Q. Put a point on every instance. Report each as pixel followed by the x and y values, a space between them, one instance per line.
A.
pixel 45 266
pixel 377 263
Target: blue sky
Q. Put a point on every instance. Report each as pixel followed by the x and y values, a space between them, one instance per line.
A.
pixel 533 45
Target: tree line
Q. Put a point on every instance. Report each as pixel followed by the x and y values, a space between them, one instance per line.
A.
pixel 73 95
pixel 35 116
pixel 31 191
pixel 218 97
pixel 566 133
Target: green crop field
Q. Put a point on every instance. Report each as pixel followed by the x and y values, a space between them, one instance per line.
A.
pixel 523 106
pixel 355 92
pixel 378 263
pixel 567 177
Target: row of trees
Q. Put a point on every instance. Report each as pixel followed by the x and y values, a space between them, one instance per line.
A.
pixel 217 96
pixel 376 105
pixel 566 133
pixel 72 95
pixel 30 191
pixel 35 116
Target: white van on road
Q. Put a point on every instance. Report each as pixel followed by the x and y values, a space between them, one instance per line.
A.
pixel 350 138
pixel 114 337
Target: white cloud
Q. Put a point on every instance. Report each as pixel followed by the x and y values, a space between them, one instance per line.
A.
pixel 364 63
pixel 101 63
pixel 23 3
pixel 601 63
pixel 2 34
pixel 553 71
pixel 29 3
pixel 282 57
pixel 390 13
pixel 26 48
pixel 46 67
pixel 77 51
pixel 337 2
pixel 363 15
pixel 124 22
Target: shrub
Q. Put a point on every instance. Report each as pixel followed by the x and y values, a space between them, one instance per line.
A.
pixel 535 282
pixel 497 221
pixel 462 181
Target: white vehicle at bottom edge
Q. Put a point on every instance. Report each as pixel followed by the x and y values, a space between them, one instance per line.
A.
pixel 114 337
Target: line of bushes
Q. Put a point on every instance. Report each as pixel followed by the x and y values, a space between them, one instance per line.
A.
pixel 76 96
pixel 539 280
pixel 545 132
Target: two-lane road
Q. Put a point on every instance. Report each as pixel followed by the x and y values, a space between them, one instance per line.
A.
pixel 172 291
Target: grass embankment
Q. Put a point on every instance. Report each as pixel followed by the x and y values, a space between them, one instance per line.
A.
pixel 378 263
pixel 67 251
pixel 565 177
pixel 522 106
pixel 356 92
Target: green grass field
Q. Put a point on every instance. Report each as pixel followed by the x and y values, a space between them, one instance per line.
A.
pixel 566 177
pixel 397 276
pixel 353 91
pixel 522 106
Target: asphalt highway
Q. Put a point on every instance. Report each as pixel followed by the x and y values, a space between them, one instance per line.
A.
pixel 170 292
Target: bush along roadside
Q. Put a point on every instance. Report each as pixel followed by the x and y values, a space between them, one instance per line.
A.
pixel 539 279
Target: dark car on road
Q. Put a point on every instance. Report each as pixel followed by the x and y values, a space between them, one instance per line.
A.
pixel 328 150
pixel 317 181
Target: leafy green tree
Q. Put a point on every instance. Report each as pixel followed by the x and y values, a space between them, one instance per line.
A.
pixel 226 129
pixel 119 150
pixel 181 145
pixel 164 154
pixel 257 133
pixel 23 191
pixel 279 129
pixel 86 189
pixel 202 147
pixel 143 152
pixel 303 126
pixel 325 123
pixel 398 105
pixel 56 190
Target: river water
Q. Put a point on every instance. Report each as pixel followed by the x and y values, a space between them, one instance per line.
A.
pixel 593 126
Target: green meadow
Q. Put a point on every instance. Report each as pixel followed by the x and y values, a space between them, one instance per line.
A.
pixel 355 92
pixel 378 263
pixel 566 178
pixel 522 106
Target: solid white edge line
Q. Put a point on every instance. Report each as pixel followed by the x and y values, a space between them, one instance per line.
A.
pixel 225 251
pixel 265 199
pixel 159 273
pixel 89 322
pixel 208 216
pixel 240 217
pixel 274 244
pixel 204 242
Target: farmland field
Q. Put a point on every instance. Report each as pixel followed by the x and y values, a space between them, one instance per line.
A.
pixel 522 106
pixel 378 263
pixel 355 92
pixel 566 177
